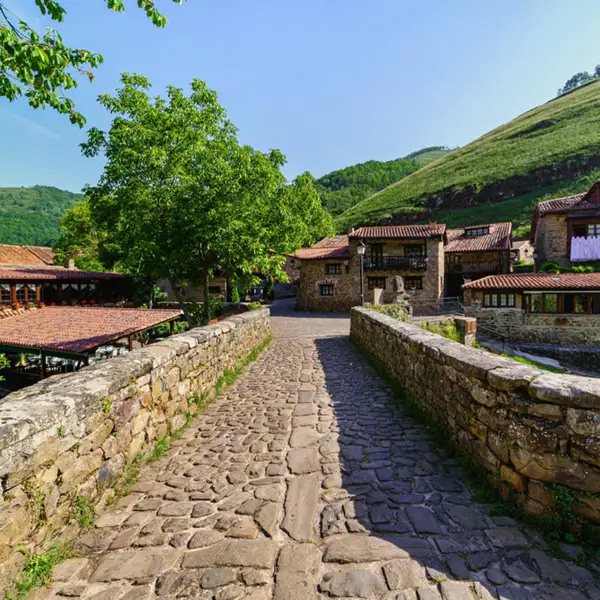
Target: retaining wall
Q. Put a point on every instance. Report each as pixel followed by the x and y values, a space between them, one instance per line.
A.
pixel 72 435
pixel 530 429
pixel 519 326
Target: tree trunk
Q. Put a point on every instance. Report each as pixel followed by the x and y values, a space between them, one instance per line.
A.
pixel 182 304
pixel 206 307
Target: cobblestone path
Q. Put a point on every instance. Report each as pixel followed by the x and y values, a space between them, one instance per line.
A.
pixel 305 481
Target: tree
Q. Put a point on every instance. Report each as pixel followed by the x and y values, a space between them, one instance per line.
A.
pixel 180 197
pixel 40 66
pixel 577 80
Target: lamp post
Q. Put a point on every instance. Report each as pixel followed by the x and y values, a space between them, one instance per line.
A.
pixel 362 249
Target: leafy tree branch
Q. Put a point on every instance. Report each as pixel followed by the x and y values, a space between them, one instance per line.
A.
pixel 41 67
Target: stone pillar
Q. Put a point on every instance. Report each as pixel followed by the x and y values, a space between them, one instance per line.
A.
pixel 378 296
pixel 467 329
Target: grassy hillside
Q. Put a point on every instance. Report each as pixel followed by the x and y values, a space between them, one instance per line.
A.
pixel 518 210
pixel 564 128
pixel 32 215
pixel 344 188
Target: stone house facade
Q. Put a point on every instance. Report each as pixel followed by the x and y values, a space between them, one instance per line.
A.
pixel 475 252
pixel 330 270
pixel 558 225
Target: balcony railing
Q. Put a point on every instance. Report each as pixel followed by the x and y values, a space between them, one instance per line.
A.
pixel 400 263
pixel 480 267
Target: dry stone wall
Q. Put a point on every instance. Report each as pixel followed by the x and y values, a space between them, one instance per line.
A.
pixel 517 325
pixel 73 435
pixel 528 428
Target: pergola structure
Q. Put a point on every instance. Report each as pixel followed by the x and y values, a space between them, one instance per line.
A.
pixel 76 332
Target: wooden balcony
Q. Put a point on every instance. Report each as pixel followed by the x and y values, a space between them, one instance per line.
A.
pixel 396 263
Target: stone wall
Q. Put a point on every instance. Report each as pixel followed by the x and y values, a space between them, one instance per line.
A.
pixel 517 325
pixel 528 428
pixel 552 239
pixel 72 435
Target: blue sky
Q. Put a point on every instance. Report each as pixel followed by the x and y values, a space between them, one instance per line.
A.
pixel 329 82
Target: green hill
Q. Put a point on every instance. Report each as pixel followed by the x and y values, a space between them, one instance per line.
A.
pixel 556 142
pixel 344 188
pixel 32 215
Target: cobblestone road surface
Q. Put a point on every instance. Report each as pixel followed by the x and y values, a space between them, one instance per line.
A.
pixel 305 481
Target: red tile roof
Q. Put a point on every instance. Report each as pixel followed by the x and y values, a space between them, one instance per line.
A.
pixel 329 247
pixel 52 274
pixel 558 205
pixel 538 281
pixel 26 255
pixel 399 231
pixel 78 329
pixel 496 240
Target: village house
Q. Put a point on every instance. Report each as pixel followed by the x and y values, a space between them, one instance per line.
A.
pixel 522 252
pixel 543 307
pixel 28 274
pixel 475 252
pixel 330 270
pixel 567 230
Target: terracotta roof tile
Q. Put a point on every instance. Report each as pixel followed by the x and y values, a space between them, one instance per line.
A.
pixel 329 247
pixel 538 281
pixel 558 205
pixel 52 273
pixel 26 255
pixel 399 231
pixel 78 329
pixel 496 240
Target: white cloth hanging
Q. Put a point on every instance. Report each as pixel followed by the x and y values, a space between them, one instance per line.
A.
pixel 585 248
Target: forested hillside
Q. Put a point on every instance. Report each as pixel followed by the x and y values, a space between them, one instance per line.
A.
pixel 556 142
pixel 343 189
pixel 32 215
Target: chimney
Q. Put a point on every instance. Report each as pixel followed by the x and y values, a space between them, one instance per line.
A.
pixel 350 230
pixel 70 263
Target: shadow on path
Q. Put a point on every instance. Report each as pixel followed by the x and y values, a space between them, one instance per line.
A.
pixel 398 487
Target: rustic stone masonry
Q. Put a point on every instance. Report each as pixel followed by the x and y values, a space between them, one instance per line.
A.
pixel 517 325
pixel 528 428
pixel 72 435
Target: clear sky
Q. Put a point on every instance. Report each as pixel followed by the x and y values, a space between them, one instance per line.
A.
pixel 329 82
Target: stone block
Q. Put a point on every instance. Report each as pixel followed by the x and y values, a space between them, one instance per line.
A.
pixel 517 481
pixel 551 468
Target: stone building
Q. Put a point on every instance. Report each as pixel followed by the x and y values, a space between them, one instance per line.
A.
pixel 330 270
pixel 475 252
pixel 522 251
pixel 567 230
pixel 544 307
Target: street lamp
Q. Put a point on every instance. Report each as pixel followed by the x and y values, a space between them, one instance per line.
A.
pixel 362 249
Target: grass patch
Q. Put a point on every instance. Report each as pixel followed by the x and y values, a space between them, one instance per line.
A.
pixel 532 363
pixel 511 150
pixel 85 513
pixel 37 571
pixel 446 329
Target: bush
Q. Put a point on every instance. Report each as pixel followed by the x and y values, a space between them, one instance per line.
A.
pixel 235 294
pixel 392 310
pixel 254 305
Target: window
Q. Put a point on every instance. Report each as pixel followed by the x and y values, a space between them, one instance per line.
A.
pixel 593 229
pixel 333 269
pixel 413 283
pixel 214 289
pixel 455 259
pixel 544 303
pixel 326 289
pixel 5 293
pixel 376 282
pixel 414 250
pixel 473 231
pixel 499 300
pixel 21 292
pixel 583 304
